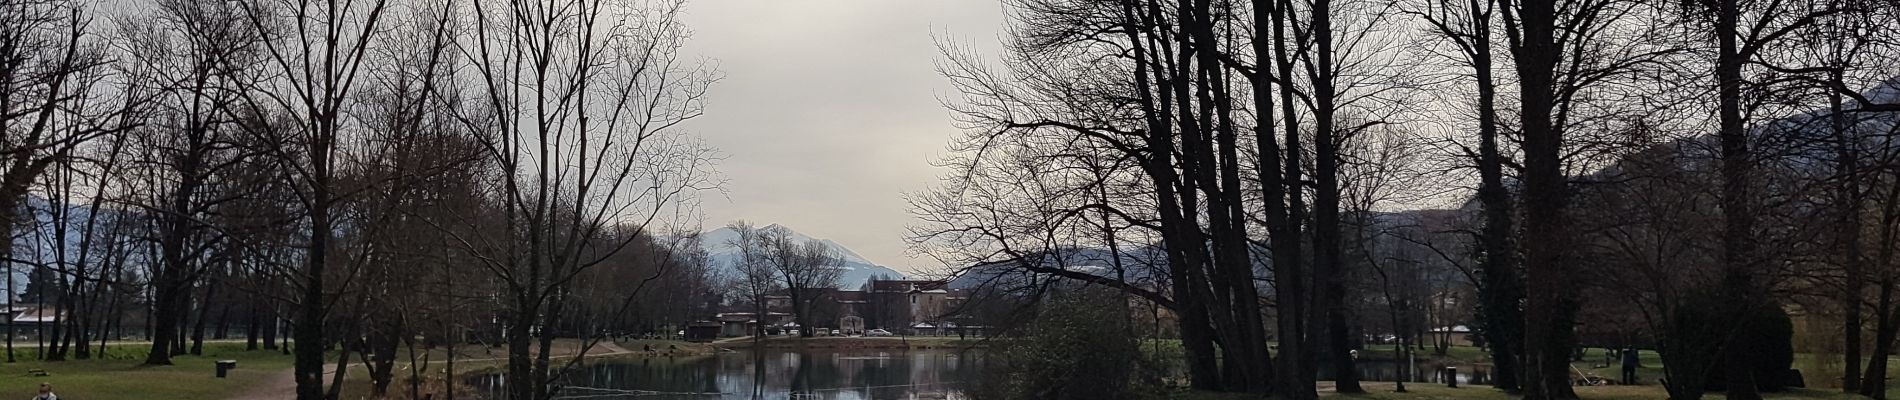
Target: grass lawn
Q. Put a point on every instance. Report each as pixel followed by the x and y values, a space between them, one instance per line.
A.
pixel 1424 391
pixel 1419 391
pixel 118 375
pixel 1821 380
pixel 1651 371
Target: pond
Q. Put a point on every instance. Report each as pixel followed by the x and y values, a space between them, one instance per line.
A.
pixel 1421 372
pixel 814 374
pixel 834 374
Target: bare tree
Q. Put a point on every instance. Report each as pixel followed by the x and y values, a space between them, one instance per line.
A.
pixel 1565 53
pixel 1467 26
pixel 198 58
pixel 54 71
pixel 755 279
pixel 581 106
pixel 419 166
pixel 316 52
pixel 804 269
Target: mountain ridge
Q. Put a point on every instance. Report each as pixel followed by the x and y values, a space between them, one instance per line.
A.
pixel 856 270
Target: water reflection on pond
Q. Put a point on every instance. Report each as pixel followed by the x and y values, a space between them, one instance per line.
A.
pixel 838 374
pixel 816 374
pixel 1421 372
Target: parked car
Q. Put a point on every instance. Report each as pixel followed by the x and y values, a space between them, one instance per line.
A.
pixel 877 333
pixel 793 332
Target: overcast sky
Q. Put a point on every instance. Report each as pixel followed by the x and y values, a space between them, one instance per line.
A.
pixel 829 112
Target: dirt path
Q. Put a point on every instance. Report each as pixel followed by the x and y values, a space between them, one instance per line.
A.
pixel 283 385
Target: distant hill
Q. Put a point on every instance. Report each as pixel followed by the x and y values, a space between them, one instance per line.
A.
pixel 1142 265
pixel 857 269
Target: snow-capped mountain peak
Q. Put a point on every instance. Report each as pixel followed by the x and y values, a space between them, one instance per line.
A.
pixel 723 255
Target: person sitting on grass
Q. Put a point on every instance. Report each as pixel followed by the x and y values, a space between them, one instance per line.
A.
pixel 46 392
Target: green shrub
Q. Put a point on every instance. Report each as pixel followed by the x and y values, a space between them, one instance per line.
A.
pixel 1704 324
pixel 1768 339
pixel 1078 347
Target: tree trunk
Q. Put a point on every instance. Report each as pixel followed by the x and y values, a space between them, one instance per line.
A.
pixel 520 378
pixel 1197 343
pixel 1887 324
pixel 308 330
pixel 222 329
pixel 415 374
pixel 352 338
pixel 551 314
pixel 204 315
pixel 6 251
pixel 93 324
pixel 1499 293
pixel 164 325
pixel 1215 146
pixel 383 340
pixel 1848 219
pixel 1550 306
pixel 799 309
pixel 1281 230
pixel 448 370
pixel 1874 384
pixel 55 349
pixel 184 321
pixel 269 330
pixel 1328 266
pixel 1737 216
pixel 251 329
pixel 1293 288
pixel 113 327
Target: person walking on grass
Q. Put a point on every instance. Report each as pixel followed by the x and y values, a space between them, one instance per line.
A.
pixel 46 392
pixel 1630 363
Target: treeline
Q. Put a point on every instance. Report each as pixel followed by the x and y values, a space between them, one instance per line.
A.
pixel 352 181
pixel 1711 162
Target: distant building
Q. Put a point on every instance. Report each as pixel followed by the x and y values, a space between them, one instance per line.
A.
pixel 745 323
pixel 703 331
pixel 29 320
pixel 910 307
pixel 1455 335
pixel 917 307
